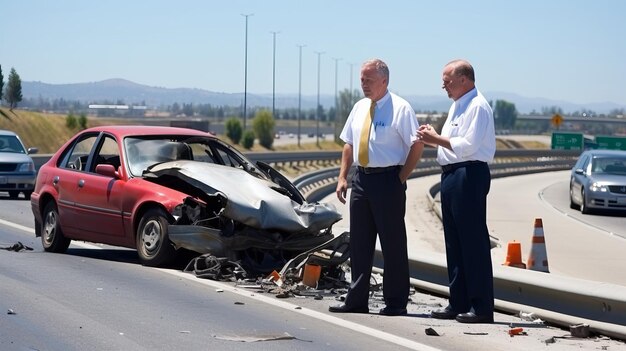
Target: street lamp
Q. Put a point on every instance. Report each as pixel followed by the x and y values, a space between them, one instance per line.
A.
pixel 245 84
pixel 300 93
pixel 317 107
pixel 274 77
pixel 336 100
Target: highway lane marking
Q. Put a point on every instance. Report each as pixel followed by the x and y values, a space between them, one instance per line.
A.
pixel 413 345
pixel 410 344
pixel 29 230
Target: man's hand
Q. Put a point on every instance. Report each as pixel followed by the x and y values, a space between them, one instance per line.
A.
pixel 342 189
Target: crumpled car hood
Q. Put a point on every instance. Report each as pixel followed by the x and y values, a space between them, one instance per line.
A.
pixel 249 200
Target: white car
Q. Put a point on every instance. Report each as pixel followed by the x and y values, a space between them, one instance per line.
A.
pixel 17 170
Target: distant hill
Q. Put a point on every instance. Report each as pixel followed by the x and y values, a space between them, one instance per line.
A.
pixel 114 90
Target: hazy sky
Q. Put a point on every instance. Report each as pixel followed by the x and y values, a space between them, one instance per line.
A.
pixel 571 50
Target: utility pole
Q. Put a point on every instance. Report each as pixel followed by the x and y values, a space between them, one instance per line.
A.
pixel 245 84
pixel 317 107
pixel 336 99
pixel 300 93
pixel 274 77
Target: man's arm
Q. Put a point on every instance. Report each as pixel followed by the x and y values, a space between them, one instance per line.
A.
pixel 415 153
pixel 342 181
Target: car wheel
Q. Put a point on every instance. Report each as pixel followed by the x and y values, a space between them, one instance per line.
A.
pixel 583 202
pixel 14 194
pixel 153 244
pixel 572 204
pixel 52 237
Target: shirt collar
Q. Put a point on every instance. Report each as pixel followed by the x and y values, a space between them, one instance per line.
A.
pixel 461 104
pixel 383 100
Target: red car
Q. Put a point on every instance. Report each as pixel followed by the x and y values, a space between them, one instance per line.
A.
pixel 159 189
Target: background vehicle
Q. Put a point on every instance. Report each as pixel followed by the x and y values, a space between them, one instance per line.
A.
pixel 598 181
pixel 159 189
pixel 17 170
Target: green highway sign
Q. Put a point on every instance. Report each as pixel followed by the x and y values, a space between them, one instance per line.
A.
pixel 611 143
pixel 567 141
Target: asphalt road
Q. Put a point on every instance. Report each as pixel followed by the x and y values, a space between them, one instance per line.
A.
pixel 100 298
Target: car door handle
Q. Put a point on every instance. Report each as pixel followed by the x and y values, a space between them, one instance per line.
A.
pixel 81 183
pixel 55 181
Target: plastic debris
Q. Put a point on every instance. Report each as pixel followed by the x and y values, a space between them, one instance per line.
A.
pixel 579 330
pixel 431 332
pixel 517 331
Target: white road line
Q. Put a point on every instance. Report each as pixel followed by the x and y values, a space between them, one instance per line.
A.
pixel 413 345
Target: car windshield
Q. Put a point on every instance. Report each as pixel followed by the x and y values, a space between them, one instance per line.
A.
pixel 10 143
pixel 613 165
pixel 143 152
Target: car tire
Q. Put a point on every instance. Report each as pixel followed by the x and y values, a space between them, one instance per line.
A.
pixel 572 204
pixel 52 238
pixel 583 202
pixel 153 244
pixel 14 194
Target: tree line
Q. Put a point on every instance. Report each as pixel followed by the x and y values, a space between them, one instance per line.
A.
pixel 13 92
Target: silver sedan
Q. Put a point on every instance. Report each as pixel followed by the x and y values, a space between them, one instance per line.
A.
pixel 598 181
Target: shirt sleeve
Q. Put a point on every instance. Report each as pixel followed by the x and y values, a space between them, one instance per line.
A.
pixel 407 125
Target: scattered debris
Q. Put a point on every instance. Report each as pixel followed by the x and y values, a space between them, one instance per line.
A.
pixel 185 331
pixel 431 332
pixel 17 247
pixel 239 303
pixel 579 330
pixel 256 338
pixel 517 331
pixel 551 340
pixel 530 317
pixel 215 268
pixel 475 333
pixel 219 290
pixel 10 311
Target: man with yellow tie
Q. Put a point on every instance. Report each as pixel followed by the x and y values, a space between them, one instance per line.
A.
pixel 380 137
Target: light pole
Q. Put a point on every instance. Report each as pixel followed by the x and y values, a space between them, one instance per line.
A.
pixel 245 84
pixel 336 100
pixel 274 77
pixel 300 93
pixel 317 107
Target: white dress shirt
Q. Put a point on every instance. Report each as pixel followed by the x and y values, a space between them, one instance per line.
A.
pixel 394 130
pixel 470 127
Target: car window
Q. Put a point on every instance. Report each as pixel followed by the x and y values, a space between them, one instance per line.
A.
pixel 10 143
pixel 107 153
pixel 612 165
pixel 78 154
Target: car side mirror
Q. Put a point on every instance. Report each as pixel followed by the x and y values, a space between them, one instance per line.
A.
pixel 32 150
pixel 107 170
pixel 579 171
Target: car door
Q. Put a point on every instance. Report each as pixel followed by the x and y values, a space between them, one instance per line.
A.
pixel 65 178
pixel 579 178
pixel 98 197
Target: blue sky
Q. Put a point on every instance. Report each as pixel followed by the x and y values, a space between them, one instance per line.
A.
pixel 570 50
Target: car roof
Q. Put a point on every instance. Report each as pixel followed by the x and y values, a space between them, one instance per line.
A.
pixel 7 132
pixel 599 152
pixel 122 131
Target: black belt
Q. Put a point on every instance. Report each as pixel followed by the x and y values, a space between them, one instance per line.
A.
pixel 372 170
pixel 453 166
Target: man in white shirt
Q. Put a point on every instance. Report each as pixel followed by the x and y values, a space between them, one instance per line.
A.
pixel 465 147
pixel 380 136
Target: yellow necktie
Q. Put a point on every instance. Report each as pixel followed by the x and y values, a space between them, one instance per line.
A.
pixel 365 136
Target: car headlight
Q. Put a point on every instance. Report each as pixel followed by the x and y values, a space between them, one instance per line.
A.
pixel 599 187
pixel 26 167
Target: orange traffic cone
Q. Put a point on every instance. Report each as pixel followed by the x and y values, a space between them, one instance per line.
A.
pixel 538 258
pixel 514 255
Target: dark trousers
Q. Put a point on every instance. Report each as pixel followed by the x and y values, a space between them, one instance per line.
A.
pixel 378 206
pixel 464 210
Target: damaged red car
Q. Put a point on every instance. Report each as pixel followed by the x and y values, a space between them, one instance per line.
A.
pixel 162 189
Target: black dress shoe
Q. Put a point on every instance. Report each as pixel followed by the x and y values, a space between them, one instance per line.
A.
pixel 348 309
pixel 446 313
pixel 392 311
pixel 471 317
